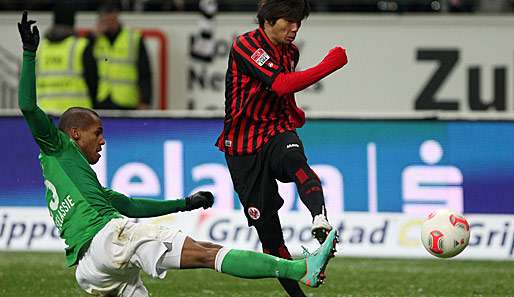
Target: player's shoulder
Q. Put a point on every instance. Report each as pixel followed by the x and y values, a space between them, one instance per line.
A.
pixel 294 51
pixel 245 37
pixel 66 140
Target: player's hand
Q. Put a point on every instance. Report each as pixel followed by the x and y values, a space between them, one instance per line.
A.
pixel 199 199
pixel 29 34
pixel 336 57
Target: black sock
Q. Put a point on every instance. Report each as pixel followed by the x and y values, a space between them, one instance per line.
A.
pixel 272 240
pixel 309 188
pixel 307 182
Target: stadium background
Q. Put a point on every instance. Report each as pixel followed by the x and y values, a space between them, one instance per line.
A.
pixel 391 158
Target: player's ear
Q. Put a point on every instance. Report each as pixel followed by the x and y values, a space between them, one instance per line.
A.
pixel 74 133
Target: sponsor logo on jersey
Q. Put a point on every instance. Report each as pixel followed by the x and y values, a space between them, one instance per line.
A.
pixel 260 57
pixel 254 213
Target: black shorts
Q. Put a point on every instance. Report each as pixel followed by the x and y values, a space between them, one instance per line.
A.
pixel 254 176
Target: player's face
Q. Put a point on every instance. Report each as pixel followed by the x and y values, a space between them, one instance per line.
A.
pixel 283 31
pixel 90 141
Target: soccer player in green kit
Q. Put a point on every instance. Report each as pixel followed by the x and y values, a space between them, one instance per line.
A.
pixel 108 249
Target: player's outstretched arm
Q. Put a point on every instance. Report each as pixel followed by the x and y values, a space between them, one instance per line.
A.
pixel 146 208
pixel 288 83
pixel 40 125
pixel 29 34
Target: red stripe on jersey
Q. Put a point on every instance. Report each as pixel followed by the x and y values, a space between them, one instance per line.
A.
pixel 241 135
pixel 249 148
pixel 254 113
pixel 263 121
pixel 234 73
pixel 259 117
pixel 234 108
pixel 275 52
pixel 249 58
pixel 243 119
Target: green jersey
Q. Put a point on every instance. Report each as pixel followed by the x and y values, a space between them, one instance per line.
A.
pixel 78 204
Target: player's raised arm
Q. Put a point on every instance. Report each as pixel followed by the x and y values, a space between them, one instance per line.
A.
pixel 40 125
pixel 145 208
pixel 286 83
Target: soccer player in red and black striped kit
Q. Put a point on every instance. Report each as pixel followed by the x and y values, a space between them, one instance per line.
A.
pixel 261 115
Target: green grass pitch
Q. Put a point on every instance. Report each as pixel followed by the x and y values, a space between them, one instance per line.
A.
pixel 44 274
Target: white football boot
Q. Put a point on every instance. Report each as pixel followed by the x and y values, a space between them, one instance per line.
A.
pixel 320 227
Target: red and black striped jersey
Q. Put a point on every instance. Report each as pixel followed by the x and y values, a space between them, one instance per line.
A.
pixel 253 112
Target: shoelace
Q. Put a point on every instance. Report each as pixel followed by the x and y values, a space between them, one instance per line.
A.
pixel 305 251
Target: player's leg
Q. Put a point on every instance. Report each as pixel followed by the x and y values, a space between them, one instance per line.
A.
pixel 272 240
pixel 240 263
pixel 289 164
pixel 250 264
pixel 258 192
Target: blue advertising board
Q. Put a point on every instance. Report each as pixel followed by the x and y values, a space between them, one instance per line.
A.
pixel 365 165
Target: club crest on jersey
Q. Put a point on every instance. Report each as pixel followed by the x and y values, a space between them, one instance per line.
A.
pixel 260 57
pixel 254 213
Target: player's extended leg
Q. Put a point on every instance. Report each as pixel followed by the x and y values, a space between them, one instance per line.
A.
pixel 272 240
pixel 249 264
pixel 294 165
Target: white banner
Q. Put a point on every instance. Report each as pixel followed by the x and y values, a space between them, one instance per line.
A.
pixel 362 234
pixel 400 64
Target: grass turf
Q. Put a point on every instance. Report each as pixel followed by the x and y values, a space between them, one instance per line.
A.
pixel 44 274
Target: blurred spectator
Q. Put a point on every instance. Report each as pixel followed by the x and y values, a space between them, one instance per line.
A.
pixel 124 75
pixel 62 77
pixel 203 44
pixel 461 5
pixel 32 5
pixel 394 6
pixel 161 5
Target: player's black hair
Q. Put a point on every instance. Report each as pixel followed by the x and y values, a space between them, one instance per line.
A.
pixel 77 117
pixel 109 6
pixel 64 12
pixel 291 10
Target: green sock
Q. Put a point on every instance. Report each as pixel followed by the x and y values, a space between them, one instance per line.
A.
pixel 248 264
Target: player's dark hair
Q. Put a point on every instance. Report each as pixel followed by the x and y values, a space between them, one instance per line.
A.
pixel 291 10
pixel 77 117
pixel 109 6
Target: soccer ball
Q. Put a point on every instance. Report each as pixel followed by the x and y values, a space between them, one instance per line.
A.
pixel 445 233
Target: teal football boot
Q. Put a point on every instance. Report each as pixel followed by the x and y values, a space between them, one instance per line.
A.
pixel 317 261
